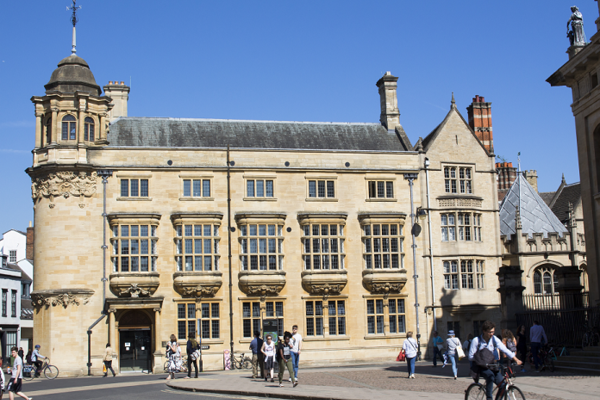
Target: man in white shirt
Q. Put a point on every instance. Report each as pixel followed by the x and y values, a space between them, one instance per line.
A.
pixel 536 335
pixel 14 385
pixel 492 343
pixel 297 342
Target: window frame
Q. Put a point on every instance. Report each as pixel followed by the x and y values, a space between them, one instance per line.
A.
pixel 255 195
pixel 12 256
pixel 253 322
pixel 309 239
pixel 193 195
pixel 4 302
pixel 146 246
pixel 372 238
pixel 458 179
pixel 89 129
pixel 136 183
pixel 464 273
pixel 68 128
pixel 314 189
pixel 453 224
pixel 249 236
pixel 198 245
pixel 373 186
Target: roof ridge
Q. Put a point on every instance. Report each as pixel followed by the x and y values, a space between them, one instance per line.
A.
pixel 249 120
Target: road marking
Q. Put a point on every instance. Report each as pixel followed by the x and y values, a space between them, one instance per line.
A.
pixel 218 395
pixel 91 387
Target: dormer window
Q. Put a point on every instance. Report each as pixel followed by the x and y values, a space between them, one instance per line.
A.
pixel 69 128
pixel 88 133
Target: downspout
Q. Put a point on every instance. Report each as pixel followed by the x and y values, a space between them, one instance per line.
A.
pixel 411 178
pixel 104 174
pixel 430 245
pixel 229 258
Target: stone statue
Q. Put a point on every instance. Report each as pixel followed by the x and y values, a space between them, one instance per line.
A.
pixel 576 35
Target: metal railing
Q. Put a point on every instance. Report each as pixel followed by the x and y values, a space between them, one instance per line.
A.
pixel 556 301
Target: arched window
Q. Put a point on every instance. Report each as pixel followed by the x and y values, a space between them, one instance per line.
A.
pixel 88 133
pixel 69 128
pixel 545 281
pixel 48 128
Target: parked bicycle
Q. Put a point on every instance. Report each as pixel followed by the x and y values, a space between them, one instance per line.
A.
pixel 506 389
pixel 50 371
pixel 590 337
pixel 562 351
pixel 241 362
pixel 183 365
pixel 547 356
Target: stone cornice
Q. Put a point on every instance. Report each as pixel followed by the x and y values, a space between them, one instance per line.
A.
pixel 60 297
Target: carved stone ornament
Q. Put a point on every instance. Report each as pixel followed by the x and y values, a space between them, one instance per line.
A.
pixel 65 184
pixel 61 297
pixel 384 281
pixel 324 282
pixel 134 285
pixel 261 283
pixel 197 283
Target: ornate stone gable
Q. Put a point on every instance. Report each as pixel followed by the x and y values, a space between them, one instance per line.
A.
pixel 64 184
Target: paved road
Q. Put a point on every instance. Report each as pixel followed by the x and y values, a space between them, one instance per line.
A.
pixel 126 386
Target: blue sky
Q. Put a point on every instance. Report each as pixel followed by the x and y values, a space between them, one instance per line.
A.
pixel 300 61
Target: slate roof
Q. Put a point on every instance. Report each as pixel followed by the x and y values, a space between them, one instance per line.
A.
pixel 210 133
pixel 536 216
pixel 547 197
pixel 568 194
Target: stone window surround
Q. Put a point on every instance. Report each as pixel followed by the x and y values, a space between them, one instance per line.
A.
pixel 150 219
pixel 326 336
pixel 386 316
pixel 191 218
pixel 386 179
pixel 133 175
pixel 457 179
pixel 255 177
pixel 262 218
pixel 79 127
pixel 379 218
pixel 474 273
pixel 200 177
pixel 320 218
pixel 321 177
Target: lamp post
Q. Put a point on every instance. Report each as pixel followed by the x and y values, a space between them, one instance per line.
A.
pixel 415 230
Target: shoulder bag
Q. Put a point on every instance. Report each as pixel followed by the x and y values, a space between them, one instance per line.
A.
pixel 401 356
pixel 459 350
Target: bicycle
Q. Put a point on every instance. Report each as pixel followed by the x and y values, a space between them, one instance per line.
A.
pixel 563 352
pixel 241 362
pixel 590 337
pixel 506 389
pixel 50 371
pixel 546 356
pixel 183 364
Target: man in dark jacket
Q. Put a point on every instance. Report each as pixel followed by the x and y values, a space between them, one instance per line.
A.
pixel 192 346
pixel 257 356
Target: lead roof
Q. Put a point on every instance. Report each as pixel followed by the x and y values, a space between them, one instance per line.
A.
pixel 174 132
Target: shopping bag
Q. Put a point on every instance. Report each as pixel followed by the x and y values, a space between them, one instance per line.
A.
pixel 104 368
pixel 401 356
pixel 460 352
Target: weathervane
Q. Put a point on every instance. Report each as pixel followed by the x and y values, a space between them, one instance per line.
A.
pixel 74 7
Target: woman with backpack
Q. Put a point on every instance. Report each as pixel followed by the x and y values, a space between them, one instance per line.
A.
pixel 452 343
pixel 508 339
pixel 410 347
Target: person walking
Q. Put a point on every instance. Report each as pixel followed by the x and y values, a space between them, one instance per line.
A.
pixel 284 353
pixel 15 383
pixel 108 355
pixel 2 381
pixel 21 353
pixel 296 350
pixel 522 345
pixel 257 356
pixel 438 346
pixel 174 354
pixel 37 358
pixel 268 350
pixel 191 347
pixel 508 339
pixel 410 350
pixel 488 343
pixel 451 344
pixel 536 335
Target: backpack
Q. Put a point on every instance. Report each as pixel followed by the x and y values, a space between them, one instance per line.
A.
pixel 484 356
pixel 511 345
pixel 28 358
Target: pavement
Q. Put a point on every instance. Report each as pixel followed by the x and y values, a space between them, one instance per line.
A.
pixel 383 381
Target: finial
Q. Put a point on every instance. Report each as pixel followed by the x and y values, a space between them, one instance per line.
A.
pixel 74 20
pixel 519 162
pixel 563 178
pixel 453 103
pixel 518 218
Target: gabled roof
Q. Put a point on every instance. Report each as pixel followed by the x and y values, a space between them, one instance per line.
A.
pixel 429 139
pixel 215 133
pixel 536 216
pixel 568 194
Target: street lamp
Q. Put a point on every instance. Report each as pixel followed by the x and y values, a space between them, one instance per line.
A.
pixel 415 231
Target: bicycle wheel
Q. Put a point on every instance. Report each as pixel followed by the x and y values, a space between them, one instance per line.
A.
pixel 475 391
pixel 514 393
pixel 51 372
pixel 247 364
pixel 28 372
pixel 595 339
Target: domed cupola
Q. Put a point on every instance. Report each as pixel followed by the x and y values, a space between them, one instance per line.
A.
pixel 73 75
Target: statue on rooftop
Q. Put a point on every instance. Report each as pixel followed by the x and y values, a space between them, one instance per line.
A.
pixel 576 35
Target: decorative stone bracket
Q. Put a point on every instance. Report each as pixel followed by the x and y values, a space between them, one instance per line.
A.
pixel 197 283
pixel 384 281
pixel 324 282
pixel 134 284
pixel 65 184
pixel 261 283
pixel 60 297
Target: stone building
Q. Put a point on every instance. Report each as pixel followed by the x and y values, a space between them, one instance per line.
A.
pixel 136 238
pixel 580 73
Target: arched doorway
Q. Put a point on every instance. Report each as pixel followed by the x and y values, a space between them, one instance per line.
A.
pixel 135 341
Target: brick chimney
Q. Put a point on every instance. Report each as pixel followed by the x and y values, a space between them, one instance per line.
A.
pixel 507 174
pixel 29 243
pixel 480 120
pixel 390 116
pixel 119 93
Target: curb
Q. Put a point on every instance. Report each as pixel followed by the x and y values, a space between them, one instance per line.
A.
pixel 255 394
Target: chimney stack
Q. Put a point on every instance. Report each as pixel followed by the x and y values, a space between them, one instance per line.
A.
pixel 532 177
pixel 390 116
pixel 119 93
pixel 480 120
pixel 29 242
pixel 507 174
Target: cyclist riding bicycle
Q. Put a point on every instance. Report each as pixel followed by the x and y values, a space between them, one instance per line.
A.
pixel 35 359
pixel 484 351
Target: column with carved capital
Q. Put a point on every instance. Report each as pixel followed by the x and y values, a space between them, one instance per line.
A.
pixel 101 127
pixel 56 124
pixel 38 129
pixel 80 118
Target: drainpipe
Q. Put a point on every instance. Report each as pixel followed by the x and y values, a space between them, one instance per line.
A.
pixel 104 174
pixel 410 178
pixel 229 258
pixel 430 244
